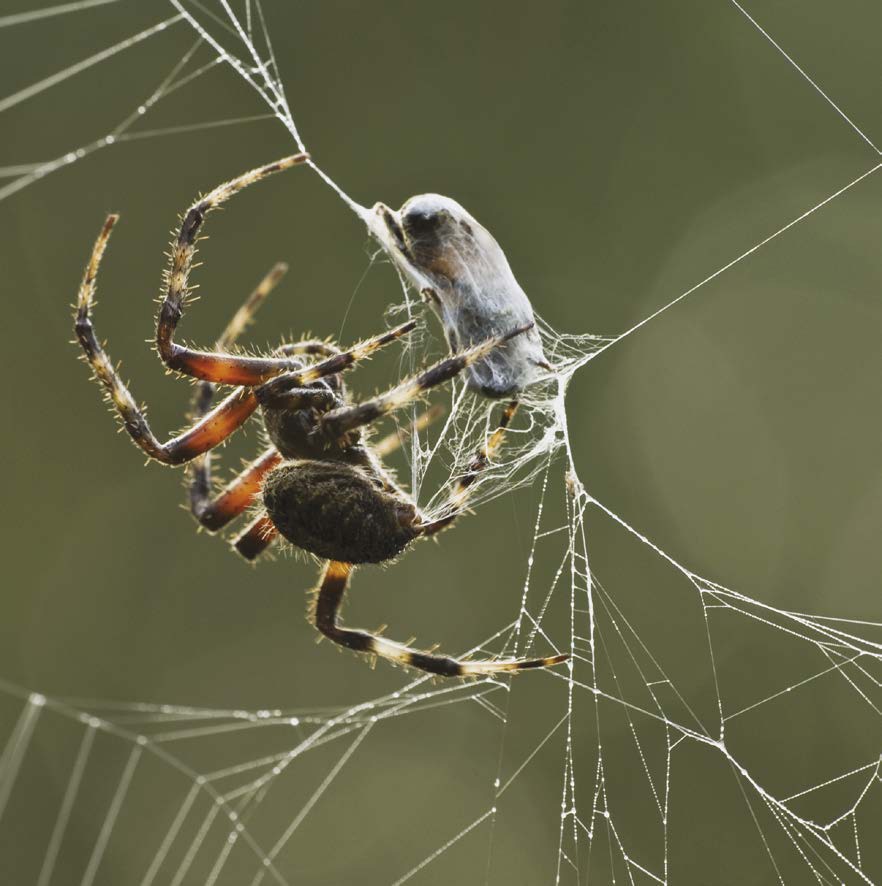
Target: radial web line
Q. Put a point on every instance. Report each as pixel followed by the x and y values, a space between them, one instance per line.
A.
pixel 67 804
pixel 732 263
pixel 531 755
pixel 59 76
pixel 820 91
pixel 316 796
pixel 19 18
pixel 653 713
pixel 442 849
pixel 171 835
pixel 112 815
pixel 17 746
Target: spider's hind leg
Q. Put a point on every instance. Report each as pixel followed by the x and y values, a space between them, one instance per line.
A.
pixel 329 599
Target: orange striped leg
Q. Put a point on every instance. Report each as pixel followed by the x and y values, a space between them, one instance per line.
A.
pixel 236 497
pixel 214 427
pixel 242 491
pixel 329 599
pixel 228 368
pixel 216 513
pixel 256 537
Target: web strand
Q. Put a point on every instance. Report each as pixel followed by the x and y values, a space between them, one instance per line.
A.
pixel 622 710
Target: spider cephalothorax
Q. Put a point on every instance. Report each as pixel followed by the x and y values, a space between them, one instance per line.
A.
pixel 322 486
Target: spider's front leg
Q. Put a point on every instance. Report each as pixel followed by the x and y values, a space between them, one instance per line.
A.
pixel 329 599
pixel 338 422
pixel 227 368
pixel 214 427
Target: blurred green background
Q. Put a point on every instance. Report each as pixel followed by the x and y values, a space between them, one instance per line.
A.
pixel 621 152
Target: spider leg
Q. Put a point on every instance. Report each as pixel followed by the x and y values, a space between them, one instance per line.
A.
pixel 459 494
pixel 256 537
pixel 229 368
pixel 216 511
pixel 334 581
pixel 338 422
pixel 245 315
pixel 214 427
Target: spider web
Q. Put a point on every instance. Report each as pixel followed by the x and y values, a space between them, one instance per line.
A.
pixel 179 794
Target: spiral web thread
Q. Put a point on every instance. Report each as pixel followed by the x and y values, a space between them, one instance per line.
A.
pixel 823 831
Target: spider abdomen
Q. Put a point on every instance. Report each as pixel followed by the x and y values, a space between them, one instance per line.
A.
pixel 338 511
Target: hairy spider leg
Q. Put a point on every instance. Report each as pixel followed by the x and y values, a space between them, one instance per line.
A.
pixel 214 513
pixel 183 250
pixel 245 315
pixel 210 430
pixel 241 492
pixel 459 494
pixel 225 418
pixel 329 599
pixel 229 368
pixel 340 421
pixel 257 536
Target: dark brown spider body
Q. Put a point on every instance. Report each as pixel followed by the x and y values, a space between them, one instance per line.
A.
pixel 330 496
pixel 339 511
pixel 322 486
pixel 294 428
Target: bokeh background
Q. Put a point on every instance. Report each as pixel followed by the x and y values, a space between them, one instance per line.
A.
pixel 621 152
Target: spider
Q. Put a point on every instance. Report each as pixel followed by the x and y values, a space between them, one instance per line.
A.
pixel 323 487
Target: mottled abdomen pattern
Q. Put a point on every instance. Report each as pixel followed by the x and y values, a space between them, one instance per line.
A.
pixel 338 512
